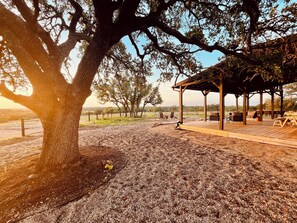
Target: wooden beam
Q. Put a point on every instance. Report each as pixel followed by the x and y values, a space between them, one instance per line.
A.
pixel 215 84
pixel 261 106
pixel 222 104
pixel 192 83
pixel 244 107
pixel 181 104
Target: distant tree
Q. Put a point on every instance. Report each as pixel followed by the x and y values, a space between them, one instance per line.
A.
pixel 289 104
pixel 108 111
pixel 153 97
pixel 124 82
pixel 289 101
pixel 213 107
pixel 129 91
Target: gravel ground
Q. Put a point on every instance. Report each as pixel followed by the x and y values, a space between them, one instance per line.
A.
pixel 177 176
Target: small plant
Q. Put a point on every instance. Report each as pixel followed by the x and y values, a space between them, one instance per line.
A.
pixel 108 164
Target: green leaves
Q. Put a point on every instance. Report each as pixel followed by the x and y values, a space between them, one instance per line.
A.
pixel 195 34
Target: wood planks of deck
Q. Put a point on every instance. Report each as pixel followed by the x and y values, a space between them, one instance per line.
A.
pixel 254 131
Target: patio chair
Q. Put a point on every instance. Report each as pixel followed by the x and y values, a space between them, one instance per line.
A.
pixel 172 115
pixel 237 117
pixel 252 114
pixel 214 116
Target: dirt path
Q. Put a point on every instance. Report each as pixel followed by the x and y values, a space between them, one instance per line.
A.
pixel 176 176
pixel 12 129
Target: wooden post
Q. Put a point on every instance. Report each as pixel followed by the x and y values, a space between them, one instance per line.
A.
pixel 261 106
pixel 244 107
pixel 205 107
pixel 281 100
pixel 23 126
pixel 89 116
pixel 205 93
pixel 222 104
pixel 236 96
pixel 247 102
pixel 96 116
pixel 272 103
pixel 181 105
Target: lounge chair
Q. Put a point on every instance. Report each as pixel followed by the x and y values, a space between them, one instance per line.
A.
pixel 293 122
pixel 282 122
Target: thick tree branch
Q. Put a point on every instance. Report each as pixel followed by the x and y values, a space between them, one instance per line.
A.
pixel 73 37
pixel 26 101
pixel 31 69
pixel 103 39
pixel 138 23
pixel 37 9
pixel 104 12
pixel 251 7
pixel 127 22
pixel 89 64
pixel 141 56
pixel 33 24
pixel 173 55
pixel 198 42
pixel 28 49
pixel 127 10
pixel 28 39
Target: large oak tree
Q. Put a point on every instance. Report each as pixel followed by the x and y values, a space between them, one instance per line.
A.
pixel 38 36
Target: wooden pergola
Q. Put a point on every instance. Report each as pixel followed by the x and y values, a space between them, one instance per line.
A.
pixel 233 76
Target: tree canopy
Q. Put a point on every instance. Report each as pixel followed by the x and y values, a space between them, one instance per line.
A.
pixel 130 93
pixel 38 37
pixel 166 31
pixel 291 90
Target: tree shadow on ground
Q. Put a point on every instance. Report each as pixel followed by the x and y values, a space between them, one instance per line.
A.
pixel 23 190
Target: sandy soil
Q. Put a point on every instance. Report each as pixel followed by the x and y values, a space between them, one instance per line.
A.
pixel 12 129
pixel 177 176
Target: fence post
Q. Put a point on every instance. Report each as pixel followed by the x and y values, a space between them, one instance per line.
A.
pixel 89 116
pixel 23 126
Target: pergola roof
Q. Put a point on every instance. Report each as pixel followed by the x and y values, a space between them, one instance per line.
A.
pixel 238 76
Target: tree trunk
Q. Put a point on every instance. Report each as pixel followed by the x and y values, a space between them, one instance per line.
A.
pixel 60 137
pixel 144 104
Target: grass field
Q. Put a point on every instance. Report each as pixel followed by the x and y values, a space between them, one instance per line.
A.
pixel 15 114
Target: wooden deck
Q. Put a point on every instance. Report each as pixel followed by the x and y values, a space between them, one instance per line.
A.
pixel 257 131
